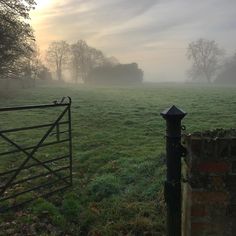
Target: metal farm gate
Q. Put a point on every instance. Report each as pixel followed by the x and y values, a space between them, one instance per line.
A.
pixel 35 159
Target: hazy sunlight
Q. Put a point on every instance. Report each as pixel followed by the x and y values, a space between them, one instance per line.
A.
pixel 42 3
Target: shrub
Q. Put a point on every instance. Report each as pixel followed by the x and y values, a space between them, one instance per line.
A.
pixel 43 208
pixel 104 186
pixel 71 208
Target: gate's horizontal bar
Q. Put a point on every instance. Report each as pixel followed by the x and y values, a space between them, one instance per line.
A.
pixel 28 148
pixel 31 127
pixel 61 132
pixel 36 176
pixel 4 209
pixel 4 109
pixel 33 189
pixel 34 165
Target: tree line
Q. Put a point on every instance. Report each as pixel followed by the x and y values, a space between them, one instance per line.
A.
pixel 20 57
pixel 78 58
pixel 89 65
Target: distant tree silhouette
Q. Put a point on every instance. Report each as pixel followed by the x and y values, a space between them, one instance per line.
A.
pixel 85 58
pixel 90 65
pixel 228 73
pixel 44 73
pixel 121 74
pixel 28 69
pixel 79 56
pixel 57 56
pixel 205 55
pixel 111 61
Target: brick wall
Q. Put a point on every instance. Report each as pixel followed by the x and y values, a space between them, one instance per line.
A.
pixel 209 184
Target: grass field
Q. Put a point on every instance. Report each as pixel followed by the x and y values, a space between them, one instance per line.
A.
pixel 118 166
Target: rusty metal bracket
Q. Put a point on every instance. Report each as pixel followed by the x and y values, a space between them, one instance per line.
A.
pixel 183 150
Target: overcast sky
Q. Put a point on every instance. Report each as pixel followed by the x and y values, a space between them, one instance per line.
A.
pixel 153 33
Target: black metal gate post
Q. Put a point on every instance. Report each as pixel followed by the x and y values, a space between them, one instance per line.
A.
pixel 173 117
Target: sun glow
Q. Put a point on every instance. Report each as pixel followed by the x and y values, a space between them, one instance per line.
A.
pixel 41 8
pixel 42 3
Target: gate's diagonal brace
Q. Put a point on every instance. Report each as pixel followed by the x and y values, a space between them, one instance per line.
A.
pixel 34 158
pixel 33 151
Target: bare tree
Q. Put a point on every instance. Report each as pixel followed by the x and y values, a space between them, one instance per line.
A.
pixel 84 59
pixel 79 58
pixel 205 55
pixel 57 55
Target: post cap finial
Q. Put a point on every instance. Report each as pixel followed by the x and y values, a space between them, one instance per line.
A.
pixel 173 113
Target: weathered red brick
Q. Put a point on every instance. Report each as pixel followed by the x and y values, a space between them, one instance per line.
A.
pixel 214 167
pixel 199 227
pixel 231 211
pixel 198 211
pixel 211 210
pixel 200 197
pixel 217 182
pixel 209 228
pixel 233 148
pixel 234 167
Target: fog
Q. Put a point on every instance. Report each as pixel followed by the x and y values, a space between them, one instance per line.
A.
pixel 117 41
pixel 84 88
pixel 153 33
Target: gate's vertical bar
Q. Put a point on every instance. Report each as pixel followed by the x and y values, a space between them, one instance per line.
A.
pixel 58 132
pixel 70 139
pixel 173 117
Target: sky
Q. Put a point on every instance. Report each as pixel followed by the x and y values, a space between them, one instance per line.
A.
pixel 153 33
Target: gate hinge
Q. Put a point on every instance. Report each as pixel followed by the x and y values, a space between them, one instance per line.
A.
pixel 183 150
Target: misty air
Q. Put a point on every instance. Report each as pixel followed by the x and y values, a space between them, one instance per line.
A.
pixel 117 117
